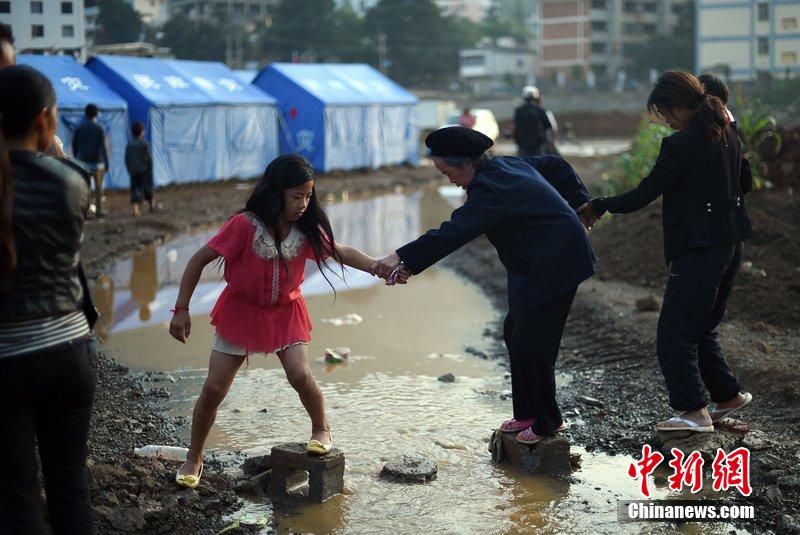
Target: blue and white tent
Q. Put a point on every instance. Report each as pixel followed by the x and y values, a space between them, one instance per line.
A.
pixel 343 116
pixel 76 87
pixel 246 75
pixel 202 122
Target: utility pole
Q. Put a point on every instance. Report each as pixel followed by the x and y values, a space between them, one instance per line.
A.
pixel 382 51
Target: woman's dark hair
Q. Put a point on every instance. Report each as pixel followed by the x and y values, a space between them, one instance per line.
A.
pixel 715 86
pixel 266 203
pixel 24 93
pixel 8 255
pixel 679 89
pixel 137 128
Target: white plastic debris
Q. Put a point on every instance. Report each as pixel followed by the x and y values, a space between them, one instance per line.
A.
pixel 169 453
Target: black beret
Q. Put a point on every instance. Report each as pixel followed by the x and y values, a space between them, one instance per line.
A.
pixel 457 142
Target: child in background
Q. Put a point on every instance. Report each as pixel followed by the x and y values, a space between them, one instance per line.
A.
pixel 265 248
pixel 140 168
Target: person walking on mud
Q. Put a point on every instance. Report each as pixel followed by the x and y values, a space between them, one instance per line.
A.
pixel 699 172
pixel 526 207
pixel 531 126
pixel 261 310
pixel 89 146
pixel 47 369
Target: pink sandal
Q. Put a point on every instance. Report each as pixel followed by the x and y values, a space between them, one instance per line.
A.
pixel 515 426
pixel 529 437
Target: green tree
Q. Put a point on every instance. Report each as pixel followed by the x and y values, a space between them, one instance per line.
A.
pixel 304 27
pixel 421 44
pixel 349 37
pixel 496 25
pixel 672 51
pixel 117 22
pixel 194 39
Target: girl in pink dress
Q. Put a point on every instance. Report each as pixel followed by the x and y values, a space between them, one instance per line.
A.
pixel 265 247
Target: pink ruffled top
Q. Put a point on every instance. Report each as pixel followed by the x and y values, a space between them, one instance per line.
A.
pixel 261 309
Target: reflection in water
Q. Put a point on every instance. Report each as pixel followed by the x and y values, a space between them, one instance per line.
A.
pixel 147 284
pixel 103 297
pixel 385 401
pixel 144 281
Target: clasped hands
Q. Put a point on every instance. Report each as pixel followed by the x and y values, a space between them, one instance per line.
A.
pixel 391 269
pixel 588 215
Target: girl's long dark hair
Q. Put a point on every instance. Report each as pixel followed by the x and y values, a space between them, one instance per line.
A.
pixel 266 203
pixel 24 93
pixel 8 254
pixel 679 89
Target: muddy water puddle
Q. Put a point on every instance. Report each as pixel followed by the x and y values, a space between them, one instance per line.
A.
pixel 384 401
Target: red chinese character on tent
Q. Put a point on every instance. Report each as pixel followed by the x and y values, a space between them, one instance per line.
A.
pixel 687 472
pixel 645 467
pixel 732 470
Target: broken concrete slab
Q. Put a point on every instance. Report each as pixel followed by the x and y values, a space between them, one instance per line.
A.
pixel 410 468
pixel 292 466
pixel 550 456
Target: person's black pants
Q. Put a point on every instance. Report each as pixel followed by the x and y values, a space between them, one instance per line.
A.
pixel 142 187
pixel 533 339
pixel 694 303
pixel 46 398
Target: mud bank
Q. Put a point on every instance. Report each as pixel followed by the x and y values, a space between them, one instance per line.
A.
pixel 138 495
pixel 609 350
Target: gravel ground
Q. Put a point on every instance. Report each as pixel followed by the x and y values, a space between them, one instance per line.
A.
pixel 609 350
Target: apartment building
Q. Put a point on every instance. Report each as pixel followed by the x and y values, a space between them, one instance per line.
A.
pixel 46 26
pixel 490 67
pixel 474 10
pixel 745 39
pixel 238 10
pixel 601 36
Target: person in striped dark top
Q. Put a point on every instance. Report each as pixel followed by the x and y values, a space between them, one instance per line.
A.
pixel 47 373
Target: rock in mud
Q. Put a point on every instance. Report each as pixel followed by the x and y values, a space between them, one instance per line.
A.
pixel 765 347
pixel 447 378
pixel 788 524
pixel 687 441
pixel 410 467
pixel 256 464
pixel 764 327
pixel 129 519
pixel 550 456
pixel 789 483
pixel 756 440
pixel 650 303
pixel 592 402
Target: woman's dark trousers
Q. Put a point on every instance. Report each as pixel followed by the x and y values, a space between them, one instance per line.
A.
pixel 694 303
pixel 533 339
pixel 46 399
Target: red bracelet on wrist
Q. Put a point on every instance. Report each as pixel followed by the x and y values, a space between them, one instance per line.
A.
pixel 177 308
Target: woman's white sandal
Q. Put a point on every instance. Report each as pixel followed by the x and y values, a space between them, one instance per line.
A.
pixel 686 425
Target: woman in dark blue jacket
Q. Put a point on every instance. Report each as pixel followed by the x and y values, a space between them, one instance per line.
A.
pixel 526 207
pixel 702 178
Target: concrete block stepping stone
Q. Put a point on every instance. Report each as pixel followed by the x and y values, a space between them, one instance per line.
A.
pixel 410 468
pixel 550 456
pixel 292 467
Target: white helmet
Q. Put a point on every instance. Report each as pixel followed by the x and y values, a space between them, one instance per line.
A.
pixel 530 91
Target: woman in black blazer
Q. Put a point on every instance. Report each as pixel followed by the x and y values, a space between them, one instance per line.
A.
pixel 699 172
